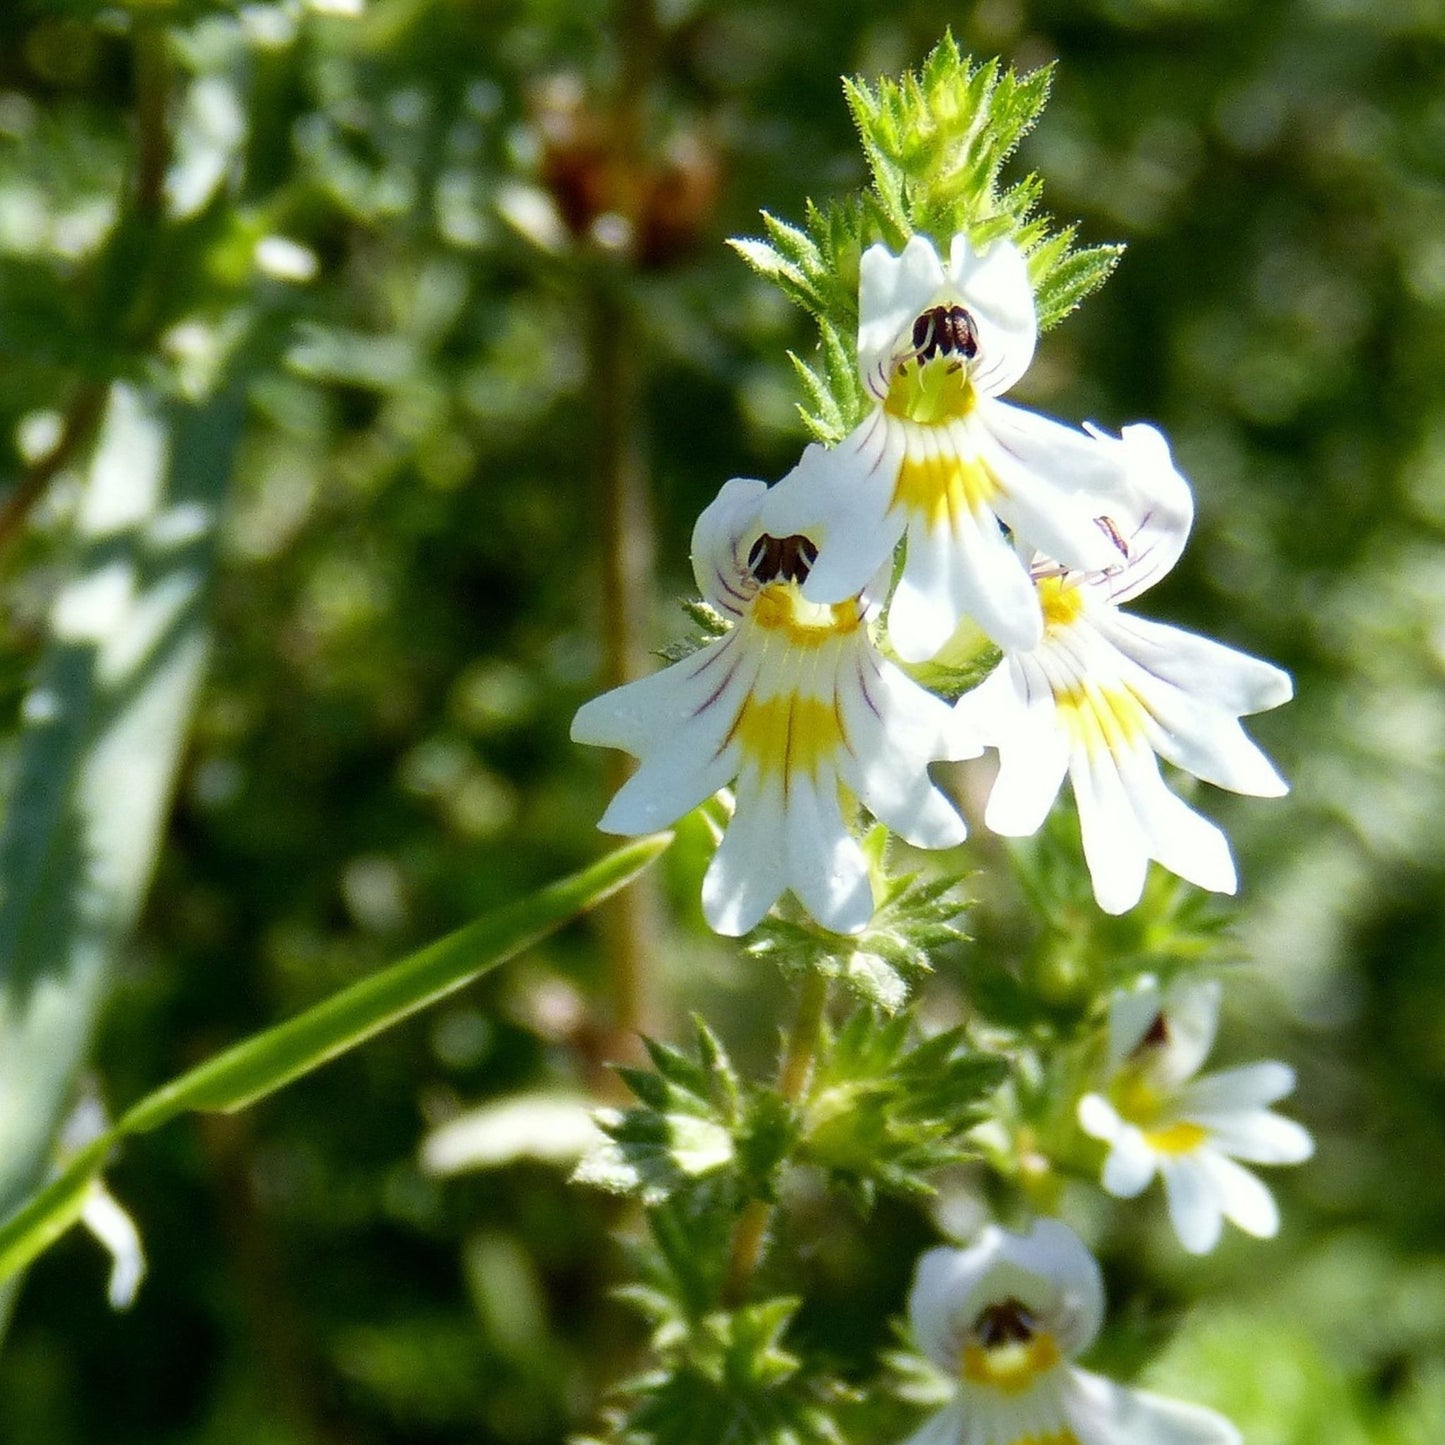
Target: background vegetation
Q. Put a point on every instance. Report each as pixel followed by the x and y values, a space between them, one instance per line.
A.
pixel 456 272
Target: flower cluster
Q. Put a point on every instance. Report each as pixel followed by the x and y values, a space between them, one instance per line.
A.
pixel 1157 1117
pixel 1031 530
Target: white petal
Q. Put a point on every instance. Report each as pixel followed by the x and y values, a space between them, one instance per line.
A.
pixel 721 539
pixel 1191 1010
pixel 745 877
pixel 1132 1012
pixel 668 785
pixel 1114 845
pixel 1153 513
pixel 923 615
pixel 1033 753
pixel 1099 1118
pixel 1189 725
pixel 1041 464
pixel 826 868
pixel 1178 837
pixel 840 498
pixel 1261 1138
pixel 115 1229
pixel 993 287
pixel 892 292
pixel 1233 681
pixel 1250 1086
pixel 989 582
pixel 1244 1199
pixel 1195 1207
pixel 1103 1413
pixel 1129 1169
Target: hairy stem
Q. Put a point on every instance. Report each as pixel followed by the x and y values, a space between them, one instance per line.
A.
pixel 794 1075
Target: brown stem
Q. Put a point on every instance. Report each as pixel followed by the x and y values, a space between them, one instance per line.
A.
pixel 152 97
pixel 794 1075
pixel 85 409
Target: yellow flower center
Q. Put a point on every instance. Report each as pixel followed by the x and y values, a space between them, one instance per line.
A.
pixel 1011 1366
pixel 930 392
pixel 781 607
pixel 1140 1104
pixel 1062 601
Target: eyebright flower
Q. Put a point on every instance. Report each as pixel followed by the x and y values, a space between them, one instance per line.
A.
pixel 1007 1316
pixel 794 703
pixel 1156 1116
pixel 941 460
pixel 1103 695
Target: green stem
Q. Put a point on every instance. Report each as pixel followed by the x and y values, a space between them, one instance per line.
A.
pixel 794 1075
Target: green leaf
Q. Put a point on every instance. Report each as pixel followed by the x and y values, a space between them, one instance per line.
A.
pixel 260 1065
pixel 885 1112
pixel 104 723
pixel 914 918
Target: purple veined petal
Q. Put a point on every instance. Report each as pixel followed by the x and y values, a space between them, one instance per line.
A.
pixel 993 286
pixel 665 788
pixel 1188 845
pixel 892 292
pixel 1039 461
pixel 1019 718
pixel 1245 1201
pixel 649 713
pixel 1115 848
pixel 1153 513
pixel 840 497
pixel 1196 1208
pixel 1099 1412
pixel 746 877
pixel 1235 682
pixel 721 538
pixel 1261 1137
pixel 1232 1091
pixel 826 868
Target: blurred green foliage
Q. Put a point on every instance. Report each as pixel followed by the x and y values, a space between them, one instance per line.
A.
pixel 412 232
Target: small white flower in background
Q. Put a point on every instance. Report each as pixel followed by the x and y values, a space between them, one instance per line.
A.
pixel 100 1212
pixel 1104 695
pixel 794 702
pixel 1157 1117
pixel 941 460
pixel 1006 1317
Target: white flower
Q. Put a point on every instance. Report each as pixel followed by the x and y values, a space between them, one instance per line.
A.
pixel 1103 693
pixel 941 460
pixel 1157 1117
pixel 1007 1316
pixel 795 702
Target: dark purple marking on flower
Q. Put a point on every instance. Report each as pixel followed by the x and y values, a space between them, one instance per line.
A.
pixel 945 331
pixel 1008 1323
pixel 786 559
